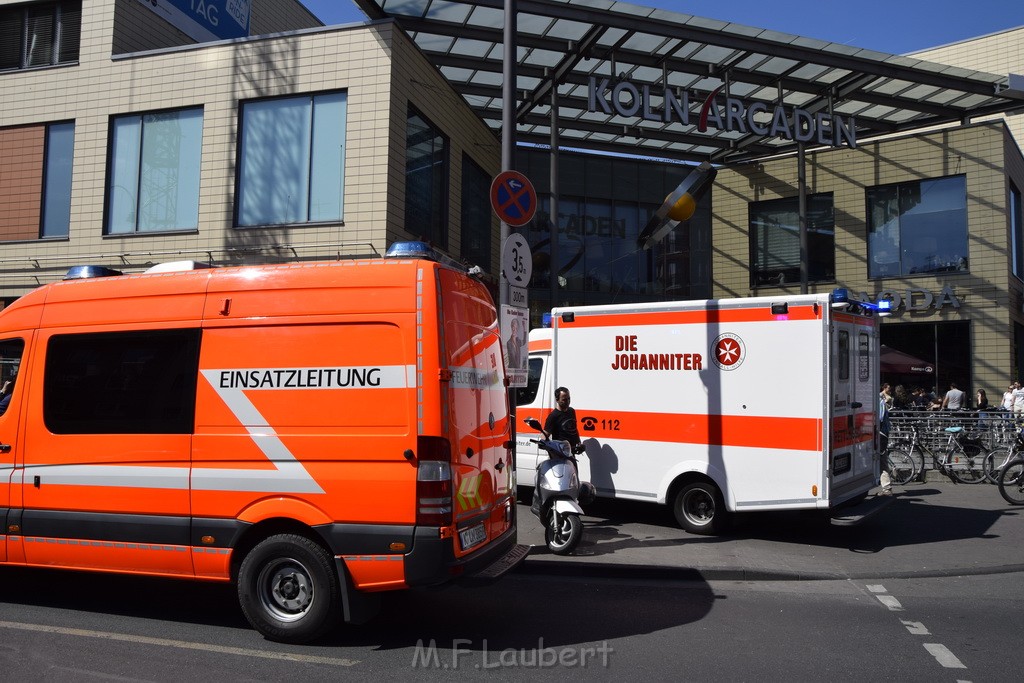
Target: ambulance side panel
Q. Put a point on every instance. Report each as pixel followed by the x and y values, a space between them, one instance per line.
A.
pixel 733 393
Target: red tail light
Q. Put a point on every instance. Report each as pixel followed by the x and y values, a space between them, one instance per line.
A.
pixel 433 481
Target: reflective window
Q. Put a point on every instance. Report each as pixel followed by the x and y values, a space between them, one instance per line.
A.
pixel 1016 231
pixel 60 151
pixel 528 394
pixel 292 160
pixel 426 181
pixel 476 215
pixel 775 240
pixel 917 227
pixel 121 382
pixel 153 181
pixel 40 34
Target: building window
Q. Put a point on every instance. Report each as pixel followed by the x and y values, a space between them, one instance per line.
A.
pixel 775 240
pixel 917 227
pixel 40 34
pixel 292 160
pixel 476 215
pixel 136 382
pixel 1017 231
pixel 35 181
pixel 153 178
pixel 426 181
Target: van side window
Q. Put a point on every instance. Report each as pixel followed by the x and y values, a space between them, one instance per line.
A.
pixel 843 356
pixel 139 382
pixel 528 394
pixel 10 363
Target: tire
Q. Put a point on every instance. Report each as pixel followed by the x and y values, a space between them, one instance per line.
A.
pixel 1011 482
pixel 918 456
pixel 289 589
pixel 968 467
pixel 901 467
pixel 700 509
pixel 993 462
pixel 562 538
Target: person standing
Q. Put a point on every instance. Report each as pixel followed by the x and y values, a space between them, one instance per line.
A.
pixel 1018 399
pixel 954 398
pixel 1007 403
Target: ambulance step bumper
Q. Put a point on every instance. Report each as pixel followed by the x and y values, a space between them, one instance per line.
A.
pixel 855 514
pixel 503 565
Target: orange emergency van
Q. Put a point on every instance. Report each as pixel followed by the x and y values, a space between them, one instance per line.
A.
pixel 314 432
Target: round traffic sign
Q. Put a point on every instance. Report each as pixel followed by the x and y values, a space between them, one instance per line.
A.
pixel 513 198
pixel 516 260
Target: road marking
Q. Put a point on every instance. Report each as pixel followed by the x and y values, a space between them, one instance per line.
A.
pixel 915 627
pixel 877 588
pixel 944 656
pixel 892 603
pixel 181 644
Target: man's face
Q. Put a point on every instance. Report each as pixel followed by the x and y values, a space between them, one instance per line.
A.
pixel 563 400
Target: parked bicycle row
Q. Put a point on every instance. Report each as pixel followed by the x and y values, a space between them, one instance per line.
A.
pixel 964 458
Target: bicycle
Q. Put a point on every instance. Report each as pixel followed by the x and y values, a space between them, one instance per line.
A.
pixel 1000 456
pixel 1011 481
pixel 961 460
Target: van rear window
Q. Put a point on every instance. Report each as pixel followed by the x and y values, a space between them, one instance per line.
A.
pixel 138 382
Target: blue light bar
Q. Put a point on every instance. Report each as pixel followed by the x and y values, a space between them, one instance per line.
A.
pixel 87 272
pixel 412 249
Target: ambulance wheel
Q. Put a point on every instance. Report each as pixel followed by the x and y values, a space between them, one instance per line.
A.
pixel 699 509
pixel 289 590
pixel 562 538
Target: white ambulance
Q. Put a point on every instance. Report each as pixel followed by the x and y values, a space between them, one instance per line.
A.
pixel 716 407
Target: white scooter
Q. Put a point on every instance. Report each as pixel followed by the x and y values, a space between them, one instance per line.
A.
pixel 557 494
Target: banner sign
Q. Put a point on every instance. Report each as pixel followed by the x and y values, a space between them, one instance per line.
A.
pixel 205 20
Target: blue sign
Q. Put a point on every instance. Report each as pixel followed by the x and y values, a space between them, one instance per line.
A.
pixel 205 20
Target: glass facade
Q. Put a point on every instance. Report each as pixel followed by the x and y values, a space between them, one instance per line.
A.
pixel 943 346
pixel 775 240
pixel 153 178
pixel 476 215
pixel 292 160
pixel 1016 212
pixel 603 204
pixel 917 227
pixel 426 180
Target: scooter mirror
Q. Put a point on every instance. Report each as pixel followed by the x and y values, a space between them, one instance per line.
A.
pixel 532 422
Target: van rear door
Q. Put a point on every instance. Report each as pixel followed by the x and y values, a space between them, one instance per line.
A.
pixel 478 412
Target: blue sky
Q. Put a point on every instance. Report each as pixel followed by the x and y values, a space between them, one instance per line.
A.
pixel 896 26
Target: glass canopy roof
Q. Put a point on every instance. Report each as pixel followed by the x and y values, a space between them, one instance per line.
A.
pixel 649 82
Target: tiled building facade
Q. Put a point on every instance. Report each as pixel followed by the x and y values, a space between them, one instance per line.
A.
pixel 139 146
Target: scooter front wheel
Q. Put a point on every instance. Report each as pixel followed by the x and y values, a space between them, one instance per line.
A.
pixel 563 533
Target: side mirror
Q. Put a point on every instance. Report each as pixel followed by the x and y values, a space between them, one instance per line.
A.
pixel 533 423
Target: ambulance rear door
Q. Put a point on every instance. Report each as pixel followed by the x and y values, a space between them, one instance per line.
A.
pixel 854 379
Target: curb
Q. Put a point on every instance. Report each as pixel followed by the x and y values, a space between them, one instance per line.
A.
pixel 576 568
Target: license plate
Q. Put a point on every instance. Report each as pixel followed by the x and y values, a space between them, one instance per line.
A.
pixel 472 536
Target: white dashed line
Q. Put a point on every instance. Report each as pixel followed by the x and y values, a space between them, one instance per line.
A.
pixel 944 656
pixel 916 628
pixel 892 603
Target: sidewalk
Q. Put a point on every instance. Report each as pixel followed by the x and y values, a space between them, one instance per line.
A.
pixel 930 529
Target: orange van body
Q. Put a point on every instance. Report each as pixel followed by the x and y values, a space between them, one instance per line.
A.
pixel 171 423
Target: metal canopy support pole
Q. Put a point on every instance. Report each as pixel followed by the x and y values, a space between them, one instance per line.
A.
pixel 553 210
pixel 508 150
pixel 801 176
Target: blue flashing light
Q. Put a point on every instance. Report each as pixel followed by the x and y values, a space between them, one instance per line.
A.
pixel 412 249
pixel 88 272
pixel 884 306
pixel 840 295
pixel 545 320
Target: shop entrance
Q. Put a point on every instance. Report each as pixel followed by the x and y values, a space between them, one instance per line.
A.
pixel 927 355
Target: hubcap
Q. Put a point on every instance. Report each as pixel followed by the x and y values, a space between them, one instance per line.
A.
pixel 286 589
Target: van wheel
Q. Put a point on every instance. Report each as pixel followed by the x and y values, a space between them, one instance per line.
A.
pixel 699 509
pixel 289 590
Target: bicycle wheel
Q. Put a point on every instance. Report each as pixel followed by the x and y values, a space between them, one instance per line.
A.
pixel 901 467
pixel 967 467
pixel 917 455
pixel 1011 482
pixel 993 463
